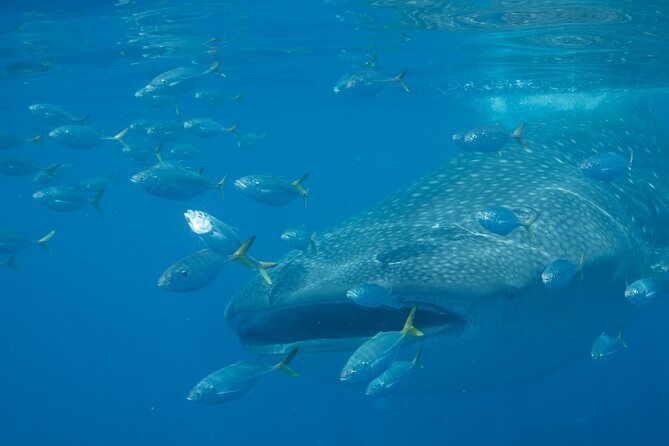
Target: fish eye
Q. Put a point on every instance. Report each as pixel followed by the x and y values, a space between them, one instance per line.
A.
pixel 184 273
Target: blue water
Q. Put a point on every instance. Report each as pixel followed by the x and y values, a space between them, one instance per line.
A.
pixel 93 352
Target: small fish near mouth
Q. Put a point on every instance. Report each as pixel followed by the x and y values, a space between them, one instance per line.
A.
pixel 332 326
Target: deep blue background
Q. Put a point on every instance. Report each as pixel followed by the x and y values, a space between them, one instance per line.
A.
pixel 92 352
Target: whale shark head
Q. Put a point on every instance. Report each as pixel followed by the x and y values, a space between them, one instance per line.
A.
pixel 487 317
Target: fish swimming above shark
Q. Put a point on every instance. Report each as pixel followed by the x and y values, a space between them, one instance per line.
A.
pixel 487 317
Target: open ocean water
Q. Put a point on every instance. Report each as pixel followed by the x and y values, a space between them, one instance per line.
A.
pixel 93 352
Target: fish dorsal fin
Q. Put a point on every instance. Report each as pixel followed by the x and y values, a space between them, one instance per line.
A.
pixel 283 365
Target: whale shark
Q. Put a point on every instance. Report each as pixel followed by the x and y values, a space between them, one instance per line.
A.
pixel 488 320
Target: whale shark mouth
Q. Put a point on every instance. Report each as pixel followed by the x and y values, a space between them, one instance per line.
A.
pixel 333 326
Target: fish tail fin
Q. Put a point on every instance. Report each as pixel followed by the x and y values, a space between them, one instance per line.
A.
pixel 95 201
pixel 53 167
pixel 232 129
pixel 220 184
pixel 530 221
pixel 214 64
pixel 581 262
pixel 262 268
pixel 43 241
pixel 312 242
pixel 408 325
pixel 371 62
pixel 400 78
pixel 283 365
pixel 518 133
pixel 620 337
pixel 240 254
pixel 158 153
pixel 9 262
pixel 297 184
pixel 37 139
pixel 416 359
pixel 119 138
pixel 214 68
pixel 85 118
pixel 239 97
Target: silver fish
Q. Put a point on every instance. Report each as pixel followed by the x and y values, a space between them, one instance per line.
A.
pixel 248 140
pixel 53 114
pixel 9 140
pixel 221 237
pixel 394 377
pixel 84 137
pixel 174 182
pixel 271 190
pixel 234 381
pixel 376 354
pixel 12 242
pixel 175 81
pixel 605 346
pixel 367 83
pixel 369 295
pixel 299 238
pixel 19 166
pixel 53 174
pixel 66 199
pixel 198 270
pixel 215 97
pixel 491 138
pixel 207 128
pixel 96 184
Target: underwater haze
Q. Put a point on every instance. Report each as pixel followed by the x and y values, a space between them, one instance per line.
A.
pixel 109 324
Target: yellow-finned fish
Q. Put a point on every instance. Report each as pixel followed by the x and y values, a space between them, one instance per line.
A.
pixel 376 355
pixel 233 381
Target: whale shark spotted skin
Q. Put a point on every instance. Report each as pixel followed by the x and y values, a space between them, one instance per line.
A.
pixel 488 319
